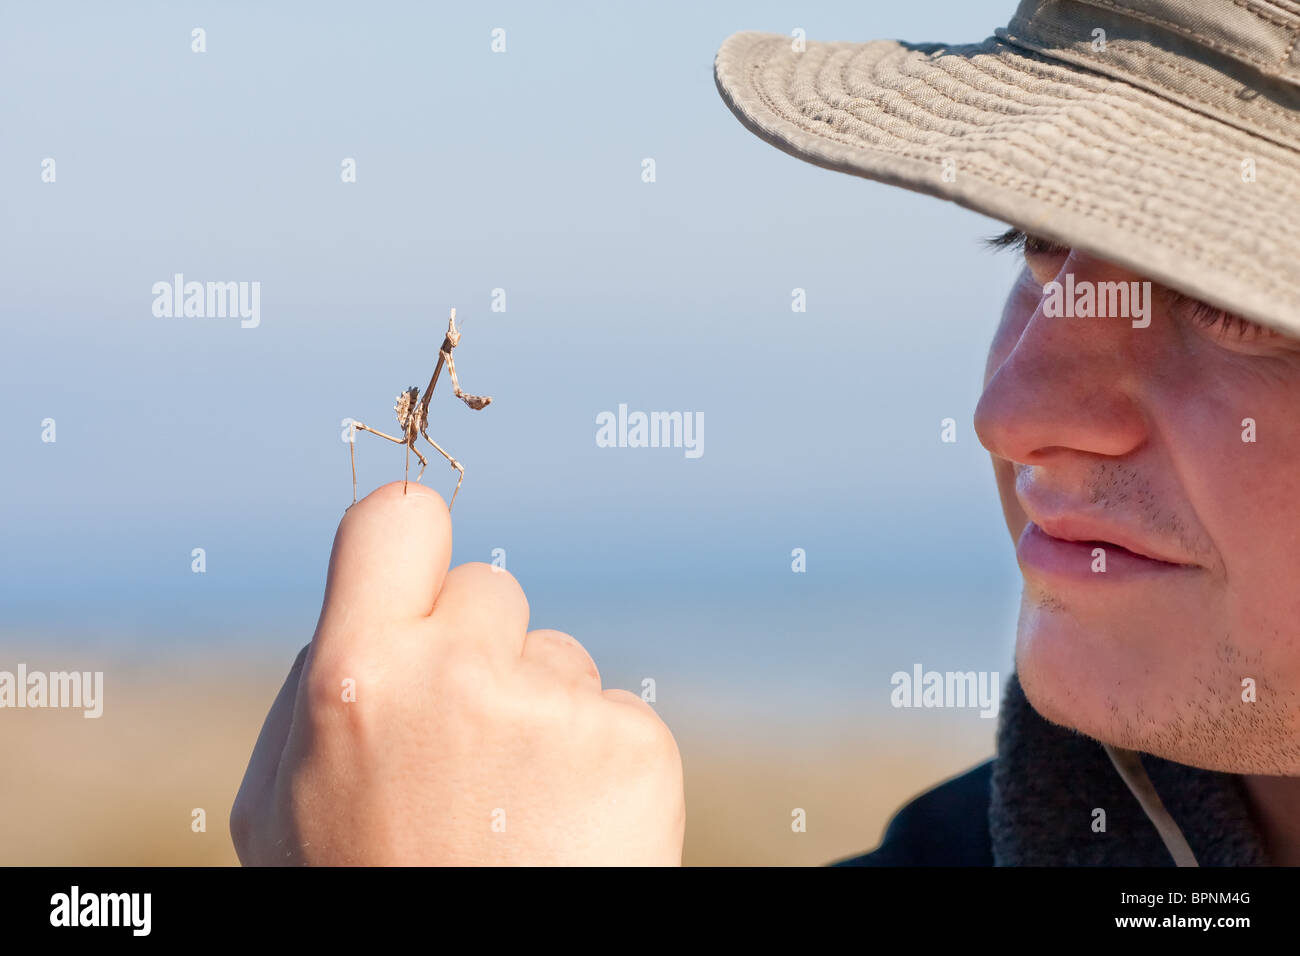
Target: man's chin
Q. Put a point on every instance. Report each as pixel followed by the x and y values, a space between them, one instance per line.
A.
pixel 1088 670
pixel 1120 688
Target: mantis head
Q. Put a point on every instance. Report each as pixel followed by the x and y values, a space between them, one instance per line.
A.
pixel 453 337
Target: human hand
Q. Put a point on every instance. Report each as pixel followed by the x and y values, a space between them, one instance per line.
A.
pixel 425 725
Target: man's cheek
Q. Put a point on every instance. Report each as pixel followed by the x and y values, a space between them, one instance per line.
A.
pixel 1238 481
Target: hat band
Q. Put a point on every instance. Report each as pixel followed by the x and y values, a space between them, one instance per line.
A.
pixel 1238 61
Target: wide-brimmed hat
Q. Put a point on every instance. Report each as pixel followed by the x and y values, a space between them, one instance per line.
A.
pixel 1162 135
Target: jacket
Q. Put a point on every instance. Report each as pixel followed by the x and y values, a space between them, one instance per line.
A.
pixel 1054 797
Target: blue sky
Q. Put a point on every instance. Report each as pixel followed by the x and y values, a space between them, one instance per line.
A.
pixel 475 171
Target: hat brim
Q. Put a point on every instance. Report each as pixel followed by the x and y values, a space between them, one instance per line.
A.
pixel 1056 150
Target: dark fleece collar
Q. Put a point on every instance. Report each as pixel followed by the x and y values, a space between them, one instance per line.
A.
pixel 1048 780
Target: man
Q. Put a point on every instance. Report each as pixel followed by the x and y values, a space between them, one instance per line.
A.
pixel 1138 405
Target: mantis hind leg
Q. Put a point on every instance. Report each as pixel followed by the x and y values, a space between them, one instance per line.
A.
pixel 454 463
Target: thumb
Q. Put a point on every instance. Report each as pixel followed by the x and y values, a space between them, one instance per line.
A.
pixel 391 554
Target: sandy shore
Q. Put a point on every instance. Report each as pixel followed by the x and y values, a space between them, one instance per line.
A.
pixel 121 790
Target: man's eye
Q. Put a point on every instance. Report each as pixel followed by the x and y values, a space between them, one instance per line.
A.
pixel 1035 246
pixel 1227 325
pixel 1030 245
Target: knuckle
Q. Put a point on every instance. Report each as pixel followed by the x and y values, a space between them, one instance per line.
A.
pixel 489 578
pixel 343 681
pixel 558 640
pixel 480 570
pixel 626 697
pixel 644 732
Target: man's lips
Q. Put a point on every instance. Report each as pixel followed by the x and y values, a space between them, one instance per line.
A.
pixel 1110 535
pixel 1051 555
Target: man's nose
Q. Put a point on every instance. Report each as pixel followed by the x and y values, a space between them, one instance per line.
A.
pixel 1069 383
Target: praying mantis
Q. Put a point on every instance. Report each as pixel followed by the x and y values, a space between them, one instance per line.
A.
pixel 413 416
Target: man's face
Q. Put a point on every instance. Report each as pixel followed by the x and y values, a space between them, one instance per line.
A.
pixel 1130 440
